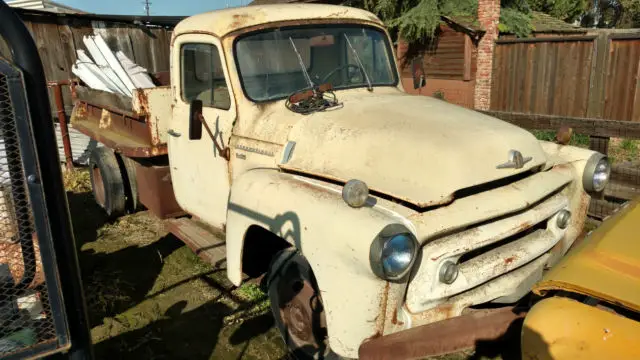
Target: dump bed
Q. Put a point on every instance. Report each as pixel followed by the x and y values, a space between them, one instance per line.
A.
pixel 134 127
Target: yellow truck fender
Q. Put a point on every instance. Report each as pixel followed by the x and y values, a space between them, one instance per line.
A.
pixel 333 237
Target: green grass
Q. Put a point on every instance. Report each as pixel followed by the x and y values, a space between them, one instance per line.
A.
pixel 578 140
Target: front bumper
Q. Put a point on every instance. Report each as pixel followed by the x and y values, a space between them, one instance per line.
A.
pixel 445 336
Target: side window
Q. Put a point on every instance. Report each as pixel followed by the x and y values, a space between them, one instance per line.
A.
pixel 203 77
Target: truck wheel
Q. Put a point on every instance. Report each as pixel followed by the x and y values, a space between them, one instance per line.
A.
pixel 131 184
pixel 106 181
pixel 297 307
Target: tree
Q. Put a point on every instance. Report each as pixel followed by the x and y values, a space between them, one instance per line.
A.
pixel 416 19
pixel 630 14
pixel 567 10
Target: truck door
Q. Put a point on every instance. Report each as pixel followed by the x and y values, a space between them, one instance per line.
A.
pixel 199 172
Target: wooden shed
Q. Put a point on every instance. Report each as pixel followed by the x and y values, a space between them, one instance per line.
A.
pixel 449 58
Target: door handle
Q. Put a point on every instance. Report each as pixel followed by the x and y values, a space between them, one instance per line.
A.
pixel 173 133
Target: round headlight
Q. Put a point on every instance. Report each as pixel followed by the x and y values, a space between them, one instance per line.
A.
pixel 393 252
pixel 596 173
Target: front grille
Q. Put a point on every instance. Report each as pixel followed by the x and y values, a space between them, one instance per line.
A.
pixel 507 242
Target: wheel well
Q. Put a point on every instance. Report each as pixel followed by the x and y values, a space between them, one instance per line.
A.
pixel 260 246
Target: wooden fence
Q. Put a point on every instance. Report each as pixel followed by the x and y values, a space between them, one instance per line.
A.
pixel 594 76
pixel 58 36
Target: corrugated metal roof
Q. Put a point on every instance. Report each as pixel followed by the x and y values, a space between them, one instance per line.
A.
pixel 45 5
pixel 165 21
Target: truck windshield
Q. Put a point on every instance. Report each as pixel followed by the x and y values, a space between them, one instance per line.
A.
pixel 270 63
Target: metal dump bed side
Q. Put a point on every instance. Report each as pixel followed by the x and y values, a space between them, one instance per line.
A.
pixel 133 127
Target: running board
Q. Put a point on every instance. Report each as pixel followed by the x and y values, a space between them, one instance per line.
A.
pixel 208 245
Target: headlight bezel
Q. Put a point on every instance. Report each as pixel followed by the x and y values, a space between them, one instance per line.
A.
pixel 378 244
pixel 590 172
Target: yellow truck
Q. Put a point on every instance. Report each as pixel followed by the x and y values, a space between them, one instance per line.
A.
pixel 592 304
pixel 381 217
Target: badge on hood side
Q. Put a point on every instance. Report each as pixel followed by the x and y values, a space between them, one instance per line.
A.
pixel 516 161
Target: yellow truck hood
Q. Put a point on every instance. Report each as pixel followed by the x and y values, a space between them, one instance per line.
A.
pixel 415 148
pixel 606 265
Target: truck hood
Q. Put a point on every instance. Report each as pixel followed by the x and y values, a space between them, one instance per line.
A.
pixel 415 148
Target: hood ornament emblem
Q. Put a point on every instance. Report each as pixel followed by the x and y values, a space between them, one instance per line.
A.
pixel 516 161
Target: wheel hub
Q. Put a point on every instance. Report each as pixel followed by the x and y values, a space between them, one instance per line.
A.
pixel 303 317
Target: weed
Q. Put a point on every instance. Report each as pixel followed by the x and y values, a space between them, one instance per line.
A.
pixel 250 292
pixel 77 180
pixel 578 140
pixel 439 94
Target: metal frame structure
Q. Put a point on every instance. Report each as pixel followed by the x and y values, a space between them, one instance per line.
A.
pixel 46 196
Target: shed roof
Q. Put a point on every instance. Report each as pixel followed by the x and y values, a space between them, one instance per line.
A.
pixel 222 22
pixel 543 23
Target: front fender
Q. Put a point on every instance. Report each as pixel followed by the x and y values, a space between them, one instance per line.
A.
pixel 333 237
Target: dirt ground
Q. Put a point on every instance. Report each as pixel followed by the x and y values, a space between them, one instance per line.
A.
pixel 150 297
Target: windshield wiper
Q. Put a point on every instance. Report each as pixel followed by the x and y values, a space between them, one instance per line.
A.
pixel 304 69
pixel 355 53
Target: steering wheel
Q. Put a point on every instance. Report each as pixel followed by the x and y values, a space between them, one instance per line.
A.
pixel 348 66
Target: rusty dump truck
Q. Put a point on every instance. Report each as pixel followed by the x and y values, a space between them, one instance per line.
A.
pixel 395 223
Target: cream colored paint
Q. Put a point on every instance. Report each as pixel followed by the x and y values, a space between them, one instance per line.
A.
pixel 157 110
pixel 415 148
pixel 298 210
pixel 222 22
pixel 200 175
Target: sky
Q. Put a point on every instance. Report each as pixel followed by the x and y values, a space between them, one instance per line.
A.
pixel 158 7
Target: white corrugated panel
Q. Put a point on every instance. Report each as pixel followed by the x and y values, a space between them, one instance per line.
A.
pixel 81 145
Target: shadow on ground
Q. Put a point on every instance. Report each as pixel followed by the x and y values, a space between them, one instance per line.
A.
pixel 150 297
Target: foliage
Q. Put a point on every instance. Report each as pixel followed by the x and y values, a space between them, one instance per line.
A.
pixel 515 21
pixel 631 14
pixel 568 10
pixel 417 19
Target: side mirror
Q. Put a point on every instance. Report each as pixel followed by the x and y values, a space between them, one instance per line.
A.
pixel 417 70
pixel 195 124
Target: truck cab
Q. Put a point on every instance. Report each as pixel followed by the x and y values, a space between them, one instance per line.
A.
pixel 397 211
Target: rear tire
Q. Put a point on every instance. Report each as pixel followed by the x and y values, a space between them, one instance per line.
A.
pixel 128 170
pixel 107 182
pixel 297 307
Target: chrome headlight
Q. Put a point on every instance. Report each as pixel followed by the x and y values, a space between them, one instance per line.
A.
pixel 393 252
pixel 596 173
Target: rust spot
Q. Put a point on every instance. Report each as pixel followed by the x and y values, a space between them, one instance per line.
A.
pixel 143 100
pixel 382 309
pixel 315 190
pixel 524 226
pixel 437 257
pixel 509 260
pixel 240 20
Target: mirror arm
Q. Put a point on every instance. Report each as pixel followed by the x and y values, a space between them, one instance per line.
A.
pixel 224 152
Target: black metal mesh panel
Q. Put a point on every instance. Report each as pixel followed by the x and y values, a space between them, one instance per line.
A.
pixel 25 316
pixel 623 187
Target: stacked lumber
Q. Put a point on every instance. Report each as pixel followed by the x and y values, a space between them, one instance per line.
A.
pixel 107 70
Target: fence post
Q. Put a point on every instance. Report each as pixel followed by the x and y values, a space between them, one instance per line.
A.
pixel 597 80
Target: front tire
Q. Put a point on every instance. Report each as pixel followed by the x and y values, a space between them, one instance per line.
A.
pixel 297 307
